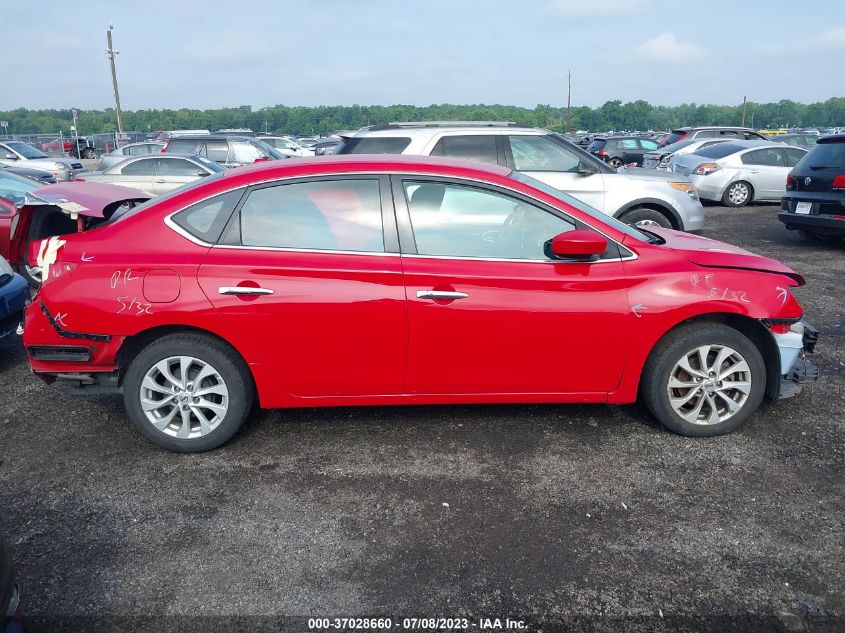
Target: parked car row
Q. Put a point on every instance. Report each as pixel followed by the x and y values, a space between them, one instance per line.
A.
pixel 18 154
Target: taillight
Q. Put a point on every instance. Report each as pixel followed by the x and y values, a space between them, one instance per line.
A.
pixel 705 169
pixel 601 152
pixel 779 328
pixel 790 182
pixel 839 182
pixel 262 159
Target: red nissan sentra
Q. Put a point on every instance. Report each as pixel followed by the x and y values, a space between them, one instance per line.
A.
pixel 375 280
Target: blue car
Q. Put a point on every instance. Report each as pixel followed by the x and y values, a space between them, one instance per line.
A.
pixel 14 292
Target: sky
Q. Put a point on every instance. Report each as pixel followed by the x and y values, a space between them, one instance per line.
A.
pixel 225 53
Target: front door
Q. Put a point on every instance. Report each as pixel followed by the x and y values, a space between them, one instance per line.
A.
pixel 489 312
pixel 309 286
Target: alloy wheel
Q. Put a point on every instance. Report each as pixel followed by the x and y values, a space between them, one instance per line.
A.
pixel 34 272
pixel 709 384
pixel 184 397
pixel 738 193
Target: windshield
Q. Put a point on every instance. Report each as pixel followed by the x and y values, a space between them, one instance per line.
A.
pixel 720 150
pixel 27 151
pixel 581 206
pixel 123 212
pixel 14 187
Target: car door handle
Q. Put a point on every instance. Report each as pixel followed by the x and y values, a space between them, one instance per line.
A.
pixel 440 294
pixel 160 180
pixel 753 171
pixel 243 290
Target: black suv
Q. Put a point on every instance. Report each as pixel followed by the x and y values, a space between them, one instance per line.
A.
pixel 622 150
pixel 225 150
pixel 735 133
pixel 815 191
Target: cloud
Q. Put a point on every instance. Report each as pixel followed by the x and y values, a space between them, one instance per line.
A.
pixel 668 49
pixel 834 38
pixel 588 8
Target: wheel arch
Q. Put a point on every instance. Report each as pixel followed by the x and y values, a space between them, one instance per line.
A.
pixel 654 204
pixel 752 328
pixel 134 344
pixel 752 197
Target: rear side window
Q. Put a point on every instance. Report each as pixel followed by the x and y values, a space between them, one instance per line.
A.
pixel 244 152
pixel 218 151
pixel 205 220
pixel 480 147
pixel 182 146
pixel 322 215
pixel 768 157
pixel 375 145
pixel 628 143
pixel 144 167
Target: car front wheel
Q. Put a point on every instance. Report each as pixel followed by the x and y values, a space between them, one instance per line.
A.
pixel 188 392
pixel 703 380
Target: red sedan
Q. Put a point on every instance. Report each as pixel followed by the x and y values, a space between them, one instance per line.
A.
pixel 374 280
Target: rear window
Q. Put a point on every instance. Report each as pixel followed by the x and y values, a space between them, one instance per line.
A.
pixel 720 150
pixel 674 137
pixel 825 156
pixel 596 145
pixel 674 147
pixel 182 146
pixel 375 145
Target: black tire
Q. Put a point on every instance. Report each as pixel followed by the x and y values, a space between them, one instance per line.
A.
pixel 654 384
pixel 615 162
pixel 738 194
pixel 645 215
pixel 227 363
pixel 89 153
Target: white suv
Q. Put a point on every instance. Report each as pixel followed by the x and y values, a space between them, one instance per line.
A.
pixel 634 195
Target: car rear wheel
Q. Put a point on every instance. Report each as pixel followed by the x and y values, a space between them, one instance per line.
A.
pixel 188 392
pixel 703 380
pixel 738 194
pixel 89 153
pixel 615 162
pixel 646 216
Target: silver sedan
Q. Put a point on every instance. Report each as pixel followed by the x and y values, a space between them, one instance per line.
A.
pixel 156 173
pixel 736 173
pixel 127 151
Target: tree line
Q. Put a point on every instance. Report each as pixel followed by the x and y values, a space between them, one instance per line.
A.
pixel 613 115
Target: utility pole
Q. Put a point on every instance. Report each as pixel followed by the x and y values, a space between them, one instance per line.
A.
pixel 111 53
pixel 743 110
pixel 569 102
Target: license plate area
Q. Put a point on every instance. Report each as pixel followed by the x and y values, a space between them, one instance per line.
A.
pixel 804 208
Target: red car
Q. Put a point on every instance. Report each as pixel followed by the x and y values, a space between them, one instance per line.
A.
pixel 375 280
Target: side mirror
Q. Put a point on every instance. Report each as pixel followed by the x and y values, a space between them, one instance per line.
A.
pixel 580 245
pixel 202 173
pixel 586 168
pixel 11 157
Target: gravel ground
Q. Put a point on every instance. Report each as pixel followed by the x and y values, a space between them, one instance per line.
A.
pixel 581 517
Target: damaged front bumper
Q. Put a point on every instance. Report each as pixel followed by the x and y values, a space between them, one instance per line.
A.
pixel 795 368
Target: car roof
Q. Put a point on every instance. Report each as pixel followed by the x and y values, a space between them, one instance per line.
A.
pixel 413 130
pixel 833 138
pixel 211 137
pixel 712 127
pixel 370 163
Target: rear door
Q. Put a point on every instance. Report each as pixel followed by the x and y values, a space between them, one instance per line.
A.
pixel 556 165
pixel 309 278
pixel 488 312
pixel 629 150
pixel 767 170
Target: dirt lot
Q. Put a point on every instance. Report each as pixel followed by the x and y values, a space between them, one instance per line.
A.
pixel 586 517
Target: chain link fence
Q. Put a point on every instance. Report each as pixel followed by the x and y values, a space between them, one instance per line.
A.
pixel 62 146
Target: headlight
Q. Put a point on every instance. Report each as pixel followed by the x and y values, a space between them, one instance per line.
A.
pixel 61 167
pixel 5 267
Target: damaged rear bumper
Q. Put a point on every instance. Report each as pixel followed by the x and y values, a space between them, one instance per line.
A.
pixel 796 368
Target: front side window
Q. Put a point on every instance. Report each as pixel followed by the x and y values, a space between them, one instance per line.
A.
pixel 27 151
pixel 647 144
pixel 628 143
pixel 480 147
pixel 451 220
pixel 205 220
pixel 324 215
pixel 244 152
pixel 769 157
pixel 183 146
pixel 177 167
pixel 537 153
